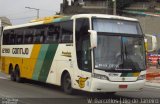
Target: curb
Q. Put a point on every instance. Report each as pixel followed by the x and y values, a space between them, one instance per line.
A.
pixel 152 84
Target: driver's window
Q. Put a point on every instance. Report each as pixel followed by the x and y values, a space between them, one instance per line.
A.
pixel 83 44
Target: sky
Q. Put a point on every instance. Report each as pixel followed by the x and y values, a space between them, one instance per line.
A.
pixel 15 9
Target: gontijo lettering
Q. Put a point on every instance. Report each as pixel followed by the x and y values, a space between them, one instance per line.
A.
pixel 24 51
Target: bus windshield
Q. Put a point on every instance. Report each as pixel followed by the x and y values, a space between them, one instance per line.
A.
pixel 118 52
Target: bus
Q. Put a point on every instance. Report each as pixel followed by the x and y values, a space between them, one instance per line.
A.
pixel 88 52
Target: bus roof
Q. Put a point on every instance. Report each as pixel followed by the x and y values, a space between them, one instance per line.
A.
pixel 104 16
pixel 56 18
pixel 40 21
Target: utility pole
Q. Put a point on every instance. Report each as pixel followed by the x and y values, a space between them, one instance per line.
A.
pixel 34 9
pixel 114 7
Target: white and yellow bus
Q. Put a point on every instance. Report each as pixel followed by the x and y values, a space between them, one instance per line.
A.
pixel 89 52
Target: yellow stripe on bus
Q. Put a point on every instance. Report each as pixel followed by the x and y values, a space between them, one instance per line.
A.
pixel 29 64
pixel 136 74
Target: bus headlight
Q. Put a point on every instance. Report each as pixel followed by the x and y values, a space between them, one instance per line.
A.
pixel 142 77
pixel 99 76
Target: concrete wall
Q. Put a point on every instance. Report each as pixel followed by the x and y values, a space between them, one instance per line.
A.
pixel 150 25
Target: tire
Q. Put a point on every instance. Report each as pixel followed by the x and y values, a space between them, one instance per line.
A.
pixel 66 84
pixel 17 75
pixel 12 75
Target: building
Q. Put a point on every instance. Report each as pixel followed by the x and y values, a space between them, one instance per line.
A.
pixel 5 21
pixel 92 6
pixel 85 6
pixel 146 11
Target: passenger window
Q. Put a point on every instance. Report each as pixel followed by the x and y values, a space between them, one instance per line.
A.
pixel 83 44
pixel 6 35
pixel 12 39
pixel 39 35
pixel 53 33
pixel 67 32
pixel 19 36
pixel 29 33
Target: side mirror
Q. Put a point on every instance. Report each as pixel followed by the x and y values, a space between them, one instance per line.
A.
pixel 150 42
pixel 93 38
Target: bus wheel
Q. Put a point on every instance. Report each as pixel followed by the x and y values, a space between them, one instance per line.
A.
pixel 66 84
pixel 12 75
pixel 17 74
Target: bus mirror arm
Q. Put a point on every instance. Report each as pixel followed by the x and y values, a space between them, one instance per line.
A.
pixel 93 38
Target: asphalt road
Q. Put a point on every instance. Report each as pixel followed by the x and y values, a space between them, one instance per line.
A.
pixel 32 92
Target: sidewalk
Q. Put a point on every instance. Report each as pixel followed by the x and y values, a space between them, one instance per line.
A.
pixel 153 77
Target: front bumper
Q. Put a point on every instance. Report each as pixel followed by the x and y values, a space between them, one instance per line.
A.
pixel 99 85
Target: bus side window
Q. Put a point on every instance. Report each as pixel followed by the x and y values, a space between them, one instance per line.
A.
pixel 29 33
pixel 39 35
pixel 83 44
pixel 30 39
pixel 6 35
pixel 67 32
pixel 12 38
pixel 53 33
pixel 19 36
